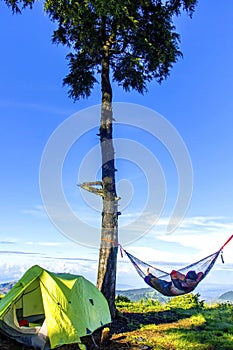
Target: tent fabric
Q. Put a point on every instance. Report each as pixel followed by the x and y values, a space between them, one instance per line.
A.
pixel 59 308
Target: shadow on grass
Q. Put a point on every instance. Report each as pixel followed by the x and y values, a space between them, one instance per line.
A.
pixel 131 321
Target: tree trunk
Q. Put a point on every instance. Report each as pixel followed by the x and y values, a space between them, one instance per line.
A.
pixel 106 281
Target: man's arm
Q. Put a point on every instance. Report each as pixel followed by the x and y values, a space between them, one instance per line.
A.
pixel 199 276
pixel 177 275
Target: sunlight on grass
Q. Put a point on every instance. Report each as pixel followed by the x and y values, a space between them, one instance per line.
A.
pixel 188 333
pixel 185 323
pixel 172 335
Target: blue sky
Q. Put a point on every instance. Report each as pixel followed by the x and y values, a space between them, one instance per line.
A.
pixel 197 99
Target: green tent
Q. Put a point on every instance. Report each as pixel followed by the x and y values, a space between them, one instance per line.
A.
pixel 46 310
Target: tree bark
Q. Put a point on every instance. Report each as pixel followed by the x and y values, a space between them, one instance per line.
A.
pixel 106 281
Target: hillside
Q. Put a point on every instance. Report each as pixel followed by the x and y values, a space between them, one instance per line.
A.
pixel 142 293
pixel 228 296
pixel 5 287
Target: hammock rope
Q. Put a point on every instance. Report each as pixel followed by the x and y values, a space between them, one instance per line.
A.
pixel 202 266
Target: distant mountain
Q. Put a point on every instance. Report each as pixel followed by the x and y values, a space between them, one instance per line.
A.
pixel 228 296
pixel 209 294
pixel 5 287
pixel 142 293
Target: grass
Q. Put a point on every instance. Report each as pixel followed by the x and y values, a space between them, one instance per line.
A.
pixel 184 323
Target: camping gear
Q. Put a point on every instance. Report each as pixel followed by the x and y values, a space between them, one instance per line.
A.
pixel 52 309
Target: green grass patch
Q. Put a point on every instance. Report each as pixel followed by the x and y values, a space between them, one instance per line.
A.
pixel 183 323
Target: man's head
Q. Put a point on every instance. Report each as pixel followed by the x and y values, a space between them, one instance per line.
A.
pixel 191 275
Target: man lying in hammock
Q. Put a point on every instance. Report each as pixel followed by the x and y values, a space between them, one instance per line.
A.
pixel 179 284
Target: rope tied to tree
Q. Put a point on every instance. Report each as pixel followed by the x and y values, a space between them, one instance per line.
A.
pixel 116 244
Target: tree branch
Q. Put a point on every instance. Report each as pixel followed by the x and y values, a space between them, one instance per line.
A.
pixel 92 187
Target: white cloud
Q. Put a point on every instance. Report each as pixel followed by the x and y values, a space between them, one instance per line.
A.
pixel 148 254
pixel 7 241
pixel 14 271
pixel 204 234
pixel 49 244
pixel 37 211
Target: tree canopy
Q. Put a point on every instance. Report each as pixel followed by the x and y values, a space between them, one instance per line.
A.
pixel 139 37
